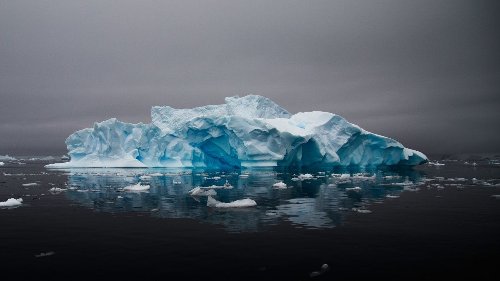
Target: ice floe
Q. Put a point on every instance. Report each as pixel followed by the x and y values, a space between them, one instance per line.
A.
pixel 136 188
pixel 247 202
pixel 279 185
pixel 198 191
pixel 12 202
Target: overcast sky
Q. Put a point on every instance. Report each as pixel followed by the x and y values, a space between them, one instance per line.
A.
pixel 426 73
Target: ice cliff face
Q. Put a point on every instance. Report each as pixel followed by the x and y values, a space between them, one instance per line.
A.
pixel 244 132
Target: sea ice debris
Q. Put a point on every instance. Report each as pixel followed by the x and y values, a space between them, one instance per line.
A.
pixel 247 202
pixel 280 185
pixel 12 202
pixel 136 188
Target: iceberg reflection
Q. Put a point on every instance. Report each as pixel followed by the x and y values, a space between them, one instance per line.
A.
pixel 320 201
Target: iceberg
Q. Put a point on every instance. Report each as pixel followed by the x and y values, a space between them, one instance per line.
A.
pixel 249 131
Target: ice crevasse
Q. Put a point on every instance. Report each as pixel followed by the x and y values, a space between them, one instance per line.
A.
pixel 249 131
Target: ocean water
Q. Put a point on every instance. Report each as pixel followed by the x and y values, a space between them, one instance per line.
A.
pixel 429 221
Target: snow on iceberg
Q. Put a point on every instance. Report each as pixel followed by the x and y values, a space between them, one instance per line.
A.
pixel 250 131
pixel 11 202
pixel 247 202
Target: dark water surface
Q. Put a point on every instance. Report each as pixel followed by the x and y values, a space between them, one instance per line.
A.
pixel 432 222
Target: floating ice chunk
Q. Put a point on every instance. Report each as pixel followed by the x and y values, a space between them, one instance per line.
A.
pixel 198 191
pixel 363 177
pixel 57 190
pixel 295 179
pixel 435 163
pixel 306 177
pixel 356 188
pixel 41 255
pixel 12 202
pixel 247 202
pixel 361 211
pixel 280 185
pixel 136 188
pixel 156 175
pixel 2 163
pixel 30 184
pixel 324 268
pixel 65 157
pixel 7 158
pixel 392 196
pixel 145 177
pixel 177 181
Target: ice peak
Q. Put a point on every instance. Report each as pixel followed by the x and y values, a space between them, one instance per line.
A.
pixel 170 119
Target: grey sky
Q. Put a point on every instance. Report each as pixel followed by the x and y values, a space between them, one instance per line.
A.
pixel 426 73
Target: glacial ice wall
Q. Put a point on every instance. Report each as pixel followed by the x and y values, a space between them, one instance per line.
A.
pixel 250 131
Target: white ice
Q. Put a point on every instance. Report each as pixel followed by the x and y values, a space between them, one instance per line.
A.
pixel 12 202
pixel 247 202
pixel 280 185
pixel 136 188
pixel 198 191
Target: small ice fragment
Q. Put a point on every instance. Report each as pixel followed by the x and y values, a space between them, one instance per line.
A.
pixel 361 211
pixel 136 188
pixel 41 255
pixel 156 174
pixel 2 163
pixel 198 191
pixel 392 196
pixel 154 210
pixel 144 177
pixel 57 190
pixel 324 268
pixel 30 184
pixel 12 202
pixel 280 185
pixel 247 202
pixel 119 197
pixel 357 188
pixel 295 179
pixel 315 274
pixel 306 177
